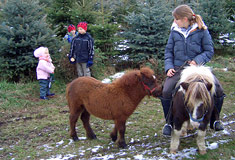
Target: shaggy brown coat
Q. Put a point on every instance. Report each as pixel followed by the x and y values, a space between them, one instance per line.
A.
pixel 115 101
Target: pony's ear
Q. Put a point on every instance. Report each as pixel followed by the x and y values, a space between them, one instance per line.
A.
pixel 208 86
pixel 138 75
pixel 184 85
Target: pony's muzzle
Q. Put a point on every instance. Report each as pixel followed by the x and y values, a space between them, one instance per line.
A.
pixel 194 124
pixel 157 91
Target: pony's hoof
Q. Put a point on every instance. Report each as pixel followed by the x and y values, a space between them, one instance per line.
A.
pixel 183 134
pixel 75 138
pixel 173 151
pixel 122 145
pixel 114 138
pixel 92 137
pixel 202 152
pixel 218 126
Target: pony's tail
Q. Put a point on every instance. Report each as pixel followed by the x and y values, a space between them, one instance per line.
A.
pixel 67 91
pixel 195 92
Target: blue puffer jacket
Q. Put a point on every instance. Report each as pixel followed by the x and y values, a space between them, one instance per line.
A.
pixel 82 48
pixel 69 37
pixel 195 45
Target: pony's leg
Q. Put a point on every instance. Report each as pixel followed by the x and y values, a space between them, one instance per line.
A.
pixel 113 134
pixel 201 141
pixel 190 127
pixel 73 117
pixel 175 140
pixel 121 127
pixel 85 117
pixel 184 129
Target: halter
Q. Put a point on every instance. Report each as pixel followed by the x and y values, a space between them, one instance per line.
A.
pixel 146 87
pixel 193 119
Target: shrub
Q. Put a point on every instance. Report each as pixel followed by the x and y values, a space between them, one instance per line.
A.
pixel 23 30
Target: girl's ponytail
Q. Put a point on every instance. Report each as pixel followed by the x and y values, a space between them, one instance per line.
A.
pixel 198 20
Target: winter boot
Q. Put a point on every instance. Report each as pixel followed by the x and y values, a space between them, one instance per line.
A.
pixel 214 122
pixel 166 104
pixel 44 98
pixel 50 94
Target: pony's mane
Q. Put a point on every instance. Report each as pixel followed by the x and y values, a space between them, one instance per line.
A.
pixel 198 73
pixel 132 76
pixel 128 79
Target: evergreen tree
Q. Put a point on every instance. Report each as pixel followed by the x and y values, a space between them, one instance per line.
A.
pixel 230 9
pixel 23 30
pixel 104 36
pixel 60 15
pixel 120 8
pixel 215 16
pixel 148 30
pixel 84 10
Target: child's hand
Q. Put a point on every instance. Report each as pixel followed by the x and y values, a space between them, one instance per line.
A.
pixel 170 72
pixel 72 59
pixel 192 63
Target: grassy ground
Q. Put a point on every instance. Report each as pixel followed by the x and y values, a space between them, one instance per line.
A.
pixel 34 129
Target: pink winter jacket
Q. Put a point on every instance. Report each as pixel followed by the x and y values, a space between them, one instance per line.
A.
pixel 45 66
pixel 44 69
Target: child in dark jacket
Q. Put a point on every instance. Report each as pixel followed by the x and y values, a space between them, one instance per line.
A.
pixel 44 70
pixel 82 50
pixel 189 44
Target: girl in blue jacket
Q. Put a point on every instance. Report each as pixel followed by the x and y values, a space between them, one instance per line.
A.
pixel 189 43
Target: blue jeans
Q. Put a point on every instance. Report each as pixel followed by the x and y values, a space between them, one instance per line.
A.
pixel 44 87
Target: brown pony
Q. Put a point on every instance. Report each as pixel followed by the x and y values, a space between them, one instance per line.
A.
pixel 115 101
pixel 192 105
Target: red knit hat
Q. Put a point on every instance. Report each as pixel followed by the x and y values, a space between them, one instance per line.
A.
pixel 83 25
pixel 71 27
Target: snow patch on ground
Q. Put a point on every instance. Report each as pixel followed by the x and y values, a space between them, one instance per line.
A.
pixel 61 157
pixel 111 78
pixel 188 153
pixel 213 145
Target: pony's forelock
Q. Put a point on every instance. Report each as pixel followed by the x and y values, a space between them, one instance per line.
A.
pixel 197 91
pixel 147 72
pixel 197 77
pixel 192 73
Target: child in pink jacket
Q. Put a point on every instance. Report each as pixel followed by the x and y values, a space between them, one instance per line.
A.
pixel 44 69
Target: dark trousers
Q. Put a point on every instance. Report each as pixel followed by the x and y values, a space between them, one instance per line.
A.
pixel 44 87
pixel 171 82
